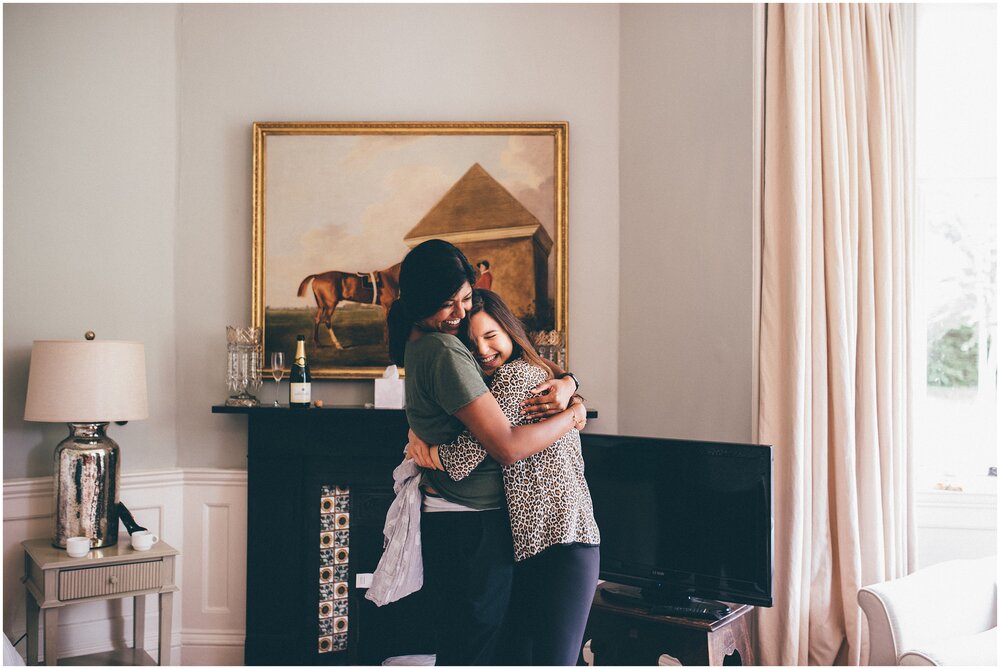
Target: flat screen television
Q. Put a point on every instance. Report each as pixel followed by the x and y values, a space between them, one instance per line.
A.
pixel 685 521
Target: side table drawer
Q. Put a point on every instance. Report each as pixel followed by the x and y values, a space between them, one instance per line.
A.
pixel 111 580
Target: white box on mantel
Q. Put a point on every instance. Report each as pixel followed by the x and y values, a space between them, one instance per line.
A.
pixel 390 390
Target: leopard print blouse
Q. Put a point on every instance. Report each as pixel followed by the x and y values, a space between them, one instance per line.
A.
pixel 547 494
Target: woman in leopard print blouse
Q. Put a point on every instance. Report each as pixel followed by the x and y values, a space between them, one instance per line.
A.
pixel 555 536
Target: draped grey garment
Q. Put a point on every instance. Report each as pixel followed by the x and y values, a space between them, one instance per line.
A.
pixel 400 571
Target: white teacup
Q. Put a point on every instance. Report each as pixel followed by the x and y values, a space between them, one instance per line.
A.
pixel 143 540
pixel 77 546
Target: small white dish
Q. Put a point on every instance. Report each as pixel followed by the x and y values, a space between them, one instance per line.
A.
pixel 143 540
pixel 77 546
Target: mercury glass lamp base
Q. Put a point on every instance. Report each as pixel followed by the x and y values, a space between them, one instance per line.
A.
pixel 86 486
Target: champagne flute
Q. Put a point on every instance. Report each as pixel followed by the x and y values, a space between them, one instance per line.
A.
pixel 277 371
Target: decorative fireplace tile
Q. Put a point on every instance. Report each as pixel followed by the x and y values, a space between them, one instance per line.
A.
pixel 326 504
pixel 334 559
pixel 326 609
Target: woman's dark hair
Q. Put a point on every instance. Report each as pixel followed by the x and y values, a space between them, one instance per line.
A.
pixel 492 304
pixel 431 273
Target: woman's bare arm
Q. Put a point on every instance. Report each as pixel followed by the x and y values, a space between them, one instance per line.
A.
pixel 507 443
pixel 461 456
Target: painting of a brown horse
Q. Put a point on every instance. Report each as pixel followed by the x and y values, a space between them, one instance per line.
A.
pixel 380 288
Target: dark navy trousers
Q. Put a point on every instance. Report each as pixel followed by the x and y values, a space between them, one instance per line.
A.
pixel 468 566
pixel 549 606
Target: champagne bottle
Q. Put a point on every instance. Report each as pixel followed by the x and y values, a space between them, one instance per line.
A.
pixel 300 385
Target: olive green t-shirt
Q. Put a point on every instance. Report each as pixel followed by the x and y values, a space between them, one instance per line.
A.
pixel 441 378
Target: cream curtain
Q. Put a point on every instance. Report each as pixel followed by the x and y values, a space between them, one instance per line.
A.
pixel 836 297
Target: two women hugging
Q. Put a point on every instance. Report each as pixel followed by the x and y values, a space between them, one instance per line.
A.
pixel 509 543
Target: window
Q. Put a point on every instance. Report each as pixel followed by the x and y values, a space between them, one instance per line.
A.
pixel 956 160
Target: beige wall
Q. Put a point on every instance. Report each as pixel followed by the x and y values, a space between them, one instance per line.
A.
pixel 127 137
pixel 127 188
pixel 686 221
pixel 90 207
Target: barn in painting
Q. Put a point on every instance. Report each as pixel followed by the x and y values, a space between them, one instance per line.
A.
pixel 483 219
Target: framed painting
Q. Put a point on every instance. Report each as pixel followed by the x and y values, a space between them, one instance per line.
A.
pixel 336 207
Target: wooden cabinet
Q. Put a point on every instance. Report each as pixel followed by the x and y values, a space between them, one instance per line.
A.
pixel 625 635
pixel 55 580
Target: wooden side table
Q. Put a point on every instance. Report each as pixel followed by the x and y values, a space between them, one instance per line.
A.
pixel 54 579
pixel 626 635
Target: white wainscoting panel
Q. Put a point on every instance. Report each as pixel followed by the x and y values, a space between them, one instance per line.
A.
pixel 27 514
pixel 215 512
pixel 201 512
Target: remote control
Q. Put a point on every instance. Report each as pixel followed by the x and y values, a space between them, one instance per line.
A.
pixel 700 612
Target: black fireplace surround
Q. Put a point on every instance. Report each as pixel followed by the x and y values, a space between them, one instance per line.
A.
pixel 319 483
pixel 306 469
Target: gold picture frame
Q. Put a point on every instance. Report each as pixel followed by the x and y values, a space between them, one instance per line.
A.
pixel 337 205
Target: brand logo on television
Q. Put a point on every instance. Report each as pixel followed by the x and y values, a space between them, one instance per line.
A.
pixel 656 572
pixel 732 452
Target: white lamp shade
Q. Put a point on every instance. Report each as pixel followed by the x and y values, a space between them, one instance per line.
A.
pixel 86 382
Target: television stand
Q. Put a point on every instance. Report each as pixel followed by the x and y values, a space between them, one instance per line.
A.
pixel 630 632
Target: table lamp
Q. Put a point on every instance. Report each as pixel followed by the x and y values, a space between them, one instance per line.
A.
pixel 86 384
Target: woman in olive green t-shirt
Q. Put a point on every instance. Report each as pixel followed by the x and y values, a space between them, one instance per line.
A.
pixel 465 530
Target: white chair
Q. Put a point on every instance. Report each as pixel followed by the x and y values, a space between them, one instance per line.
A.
pixel 11 658
pixel 945 614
